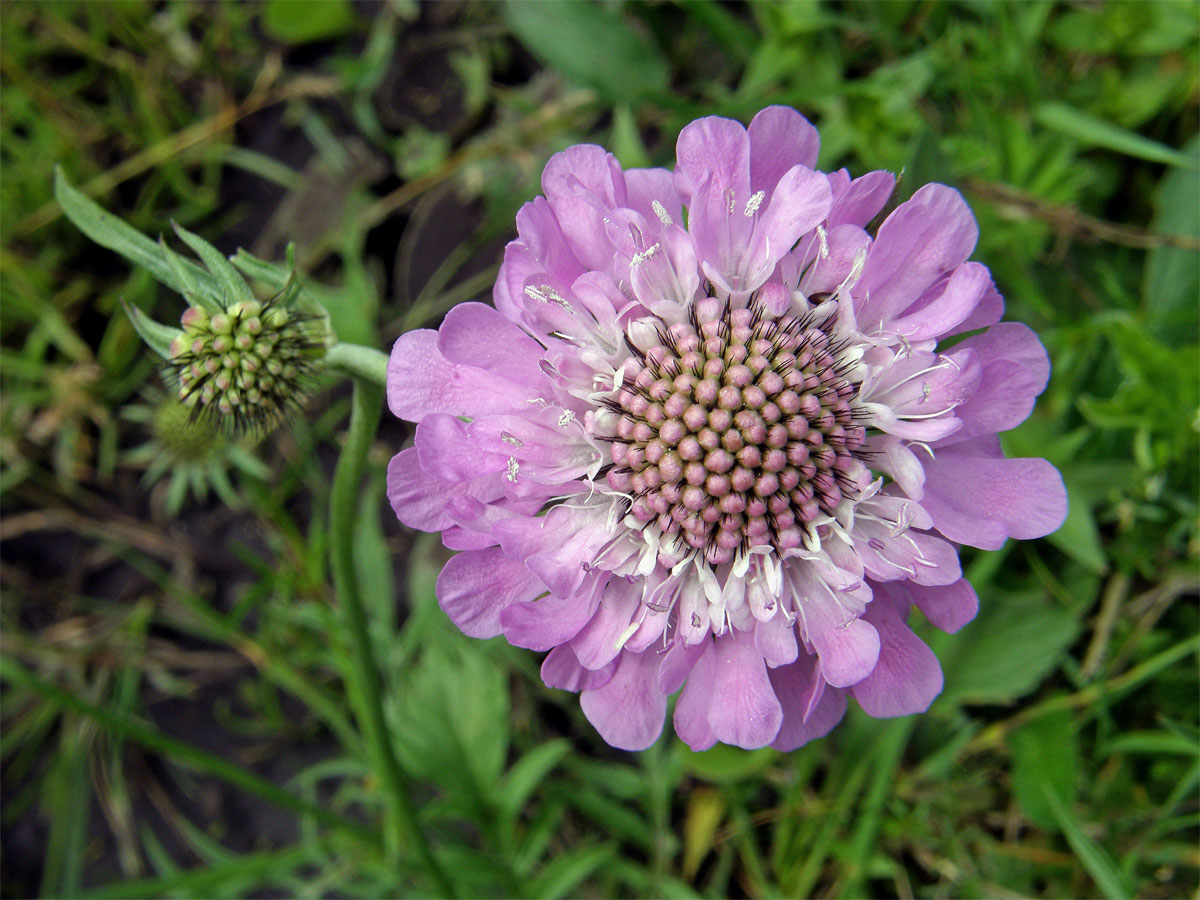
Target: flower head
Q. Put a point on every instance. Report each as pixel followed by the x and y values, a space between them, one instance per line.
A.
pixel 247 363
pixel 728 449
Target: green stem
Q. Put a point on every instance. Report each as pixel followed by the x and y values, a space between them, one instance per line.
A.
pixel 359 362
pixel 343 511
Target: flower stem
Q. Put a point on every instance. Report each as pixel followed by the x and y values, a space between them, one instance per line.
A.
pixel 359 362
pixel 343 511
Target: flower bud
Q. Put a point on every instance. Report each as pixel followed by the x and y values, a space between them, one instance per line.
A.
pixel 248 363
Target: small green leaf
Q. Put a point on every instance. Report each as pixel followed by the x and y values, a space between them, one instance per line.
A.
pixel 233 286
pixel 1095 132
pixel 724 764
pixel 1015 643
pixel 1044 754
pixel 1079 536
pixel 304 21
pixel 590 44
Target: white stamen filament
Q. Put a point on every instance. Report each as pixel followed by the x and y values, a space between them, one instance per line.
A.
pixel 639 258
pixel 754 203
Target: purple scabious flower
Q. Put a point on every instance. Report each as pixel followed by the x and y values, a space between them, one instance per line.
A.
pixel 712 436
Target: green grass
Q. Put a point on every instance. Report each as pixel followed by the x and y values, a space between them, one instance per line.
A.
pixel 182 702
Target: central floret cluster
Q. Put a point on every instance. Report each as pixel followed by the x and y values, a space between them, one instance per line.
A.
pixel 720 433
pixel 737 430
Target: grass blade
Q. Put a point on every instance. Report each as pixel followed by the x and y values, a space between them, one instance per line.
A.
pixel 183 752
pixel 1098 863
pixel 1095 132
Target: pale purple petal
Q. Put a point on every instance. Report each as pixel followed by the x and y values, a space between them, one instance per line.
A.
pixel 419 499
pixel 979 499
pixel 598 643
pixel 716 150
pixel 475 587
pixel 560 669
pixel 545 242
pixel 810 707
pixel 629 710
pixel 582 183
pixel 952 302
pixel 861 200
pixel 556 546
pixel 447 453
pixel 907 676
pixel 987 313
pixel 691 709
pixel 645 187
pixel 542 624
pixel 477 335
pixel 948 607
pixel 799 202
pixel 744 710
pixel 422 381
pixel 775 640
pixel 923 239
pixel 829 265
pixel 847 652
pixel 1015 370
pixel 893 458
pixel 780 138
pixel 677 663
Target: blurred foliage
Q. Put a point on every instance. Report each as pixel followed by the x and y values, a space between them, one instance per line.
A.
pixel 176 692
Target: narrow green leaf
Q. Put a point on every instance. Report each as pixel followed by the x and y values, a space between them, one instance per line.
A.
pixel 591 44
pixel 1097 862
pixel 1095 132
pixel 185 277
pixel 158 337
pixel 1152 742
pixel 563 874
pixel 233 285
pixel 1172 280
pixel 65 801
pixel 528 772
pixel 627 144
pixel 272 275
pixel 618 818
pixel 109 231
pixel 182 752
pixel 1079 536
pixel 253 868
